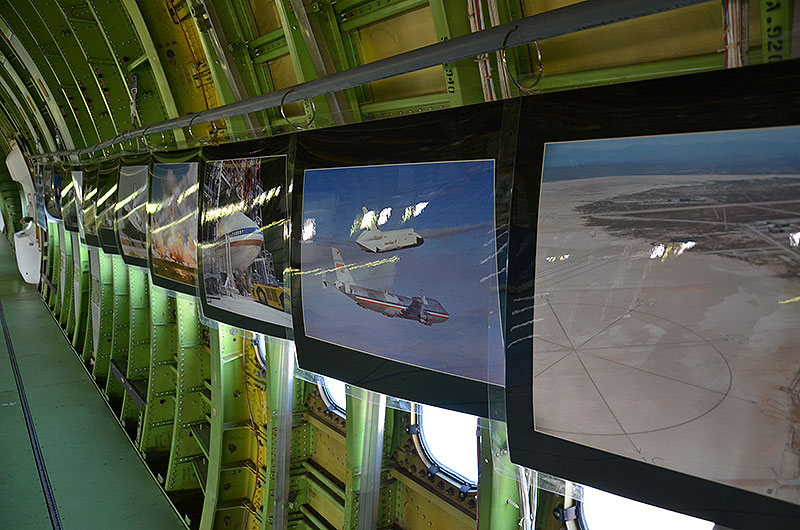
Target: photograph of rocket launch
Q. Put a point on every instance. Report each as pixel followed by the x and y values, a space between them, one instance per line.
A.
pixel 173 222
pixel 107 185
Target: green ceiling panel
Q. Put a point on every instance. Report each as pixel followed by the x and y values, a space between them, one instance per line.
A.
pixel 53 69
pixel 58 42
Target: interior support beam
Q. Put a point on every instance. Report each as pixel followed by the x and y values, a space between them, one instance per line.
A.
pixel 570 19
pixel 233 88
pixel 35 135
pixel 37 78
pixel 60 57
pixel 90 61
pixel 315 45
pixel 157 68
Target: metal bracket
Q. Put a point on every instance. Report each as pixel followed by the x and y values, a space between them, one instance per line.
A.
pixel 133 79
pixel 413 429
pixel 565 514
pixel 432 471
pixel 132 391
pixel 48 282
pixel 463 491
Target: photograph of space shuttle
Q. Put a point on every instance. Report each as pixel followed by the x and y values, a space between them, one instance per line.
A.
pixel 400 261
pixel 173 221
pixel 39 199
pixel 243 243
pixel 131 213
pixel 373 239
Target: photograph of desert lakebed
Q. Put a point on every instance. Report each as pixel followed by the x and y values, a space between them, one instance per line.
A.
pixel 668 300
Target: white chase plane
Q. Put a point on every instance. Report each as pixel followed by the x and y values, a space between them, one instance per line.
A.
pixel 418 308
pixel 374 240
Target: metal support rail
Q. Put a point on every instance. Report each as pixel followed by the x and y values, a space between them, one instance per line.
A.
pixel 562 21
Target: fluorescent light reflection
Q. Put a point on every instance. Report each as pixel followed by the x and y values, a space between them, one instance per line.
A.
pixel 121 204
pixel 336 391
pixel 451 440
pixel 367 220
pixel 175 223
pixel 383 217
pixel 309 228
pixel 686 245
pixel 604 511
pixel 188 192
pixel 108 194
pixel 413 211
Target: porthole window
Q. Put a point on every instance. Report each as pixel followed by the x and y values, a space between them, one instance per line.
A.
pixel 600 510
pixel 260 347
pixel 333 393
pixel 449 440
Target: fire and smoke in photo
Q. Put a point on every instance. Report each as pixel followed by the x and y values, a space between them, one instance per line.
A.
pixel 173 221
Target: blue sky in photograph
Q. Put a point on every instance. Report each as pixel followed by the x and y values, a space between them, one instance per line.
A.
pixel 170 179
pixel 727 152
pixel 451 190
pixel 132 179
pixel 457 225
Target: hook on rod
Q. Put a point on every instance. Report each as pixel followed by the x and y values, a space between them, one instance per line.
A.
pixel 540 70
pixel 305 125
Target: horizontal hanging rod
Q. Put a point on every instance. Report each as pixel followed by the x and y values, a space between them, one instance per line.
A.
pixel 562 21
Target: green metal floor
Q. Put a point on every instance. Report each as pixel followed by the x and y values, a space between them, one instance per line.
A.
pixel 97 478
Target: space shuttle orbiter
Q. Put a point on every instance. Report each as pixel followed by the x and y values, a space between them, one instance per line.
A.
pixel 373 239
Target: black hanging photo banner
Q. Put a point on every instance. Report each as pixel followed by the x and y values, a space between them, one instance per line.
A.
pixel 77 180
pixel 243 249
pixel 107 184
pixel 39 200
pixel 654 263
pixel 53 176
pixel 87 218
pixel 397 231
pixel 130 213
pixel 69 208
pixel 172 220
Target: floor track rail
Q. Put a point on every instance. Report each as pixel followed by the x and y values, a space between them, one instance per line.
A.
pixel 47 489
